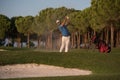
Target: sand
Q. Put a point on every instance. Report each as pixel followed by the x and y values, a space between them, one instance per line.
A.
pixel 38 70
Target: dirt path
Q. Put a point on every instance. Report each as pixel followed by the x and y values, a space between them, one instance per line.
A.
pixel 35 70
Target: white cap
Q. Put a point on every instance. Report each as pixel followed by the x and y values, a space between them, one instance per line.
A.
pixel 57 21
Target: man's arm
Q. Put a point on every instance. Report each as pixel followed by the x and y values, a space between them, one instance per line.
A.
pixel 65 21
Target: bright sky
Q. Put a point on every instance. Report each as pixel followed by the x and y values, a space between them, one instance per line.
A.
pixel 12 8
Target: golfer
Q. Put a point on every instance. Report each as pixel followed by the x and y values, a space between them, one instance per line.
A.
pixel 65 33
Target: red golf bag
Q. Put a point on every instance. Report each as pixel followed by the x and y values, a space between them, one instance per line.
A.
pixel 101 45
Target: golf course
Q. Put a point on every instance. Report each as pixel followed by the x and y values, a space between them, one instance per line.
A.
pixel 104 66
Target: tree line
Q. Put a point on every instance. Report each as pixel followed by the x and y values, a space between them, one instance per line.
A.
pixel 102 18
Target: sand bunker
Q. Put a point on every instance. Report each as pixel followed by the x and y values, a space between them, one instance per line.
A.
pixel 35 70
pixel 2 50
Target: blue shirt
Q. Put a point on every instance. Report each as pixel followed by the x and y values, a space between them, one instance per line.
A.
pixel 64 30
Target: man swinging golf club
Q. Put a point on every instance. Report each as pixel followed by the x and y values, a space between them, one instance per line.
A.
pixel 62 26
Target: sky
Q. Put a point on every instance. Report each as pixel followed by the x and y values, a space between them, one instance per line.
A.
pixel 12 8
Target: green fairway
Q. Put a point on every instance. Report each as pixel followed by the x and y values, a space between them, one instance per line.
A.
pixel 104 66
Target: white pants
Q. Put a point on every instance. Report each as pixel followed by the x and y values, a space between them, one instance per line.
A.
pixel 65 43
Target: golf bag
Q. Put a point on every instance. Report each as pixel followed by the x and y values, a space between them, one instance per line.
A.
pixel 101 45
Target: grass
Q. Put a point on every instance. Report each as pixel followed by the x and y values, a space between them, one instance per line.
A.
pixel 104 66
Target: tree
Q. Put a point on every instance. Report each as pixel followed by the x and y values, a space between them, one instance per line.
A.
pixel 106 12
pixel 13 29
pixel 4 25
pixel 38 28
pixel 97 20
pixel 24 25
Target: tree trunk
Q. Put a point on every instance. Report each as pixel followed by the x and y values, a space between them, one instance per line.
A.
pixel 58 41
pixel 103 35
pixel 85 40
pixel 39 41
pixel 119 38
pixel 28 40
pixel 47 42
pixel 19 41
pixel 112 35
pixel 94 33
pixel 107 35
pixel 51 46
pixel 72 40
pixel 78 39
